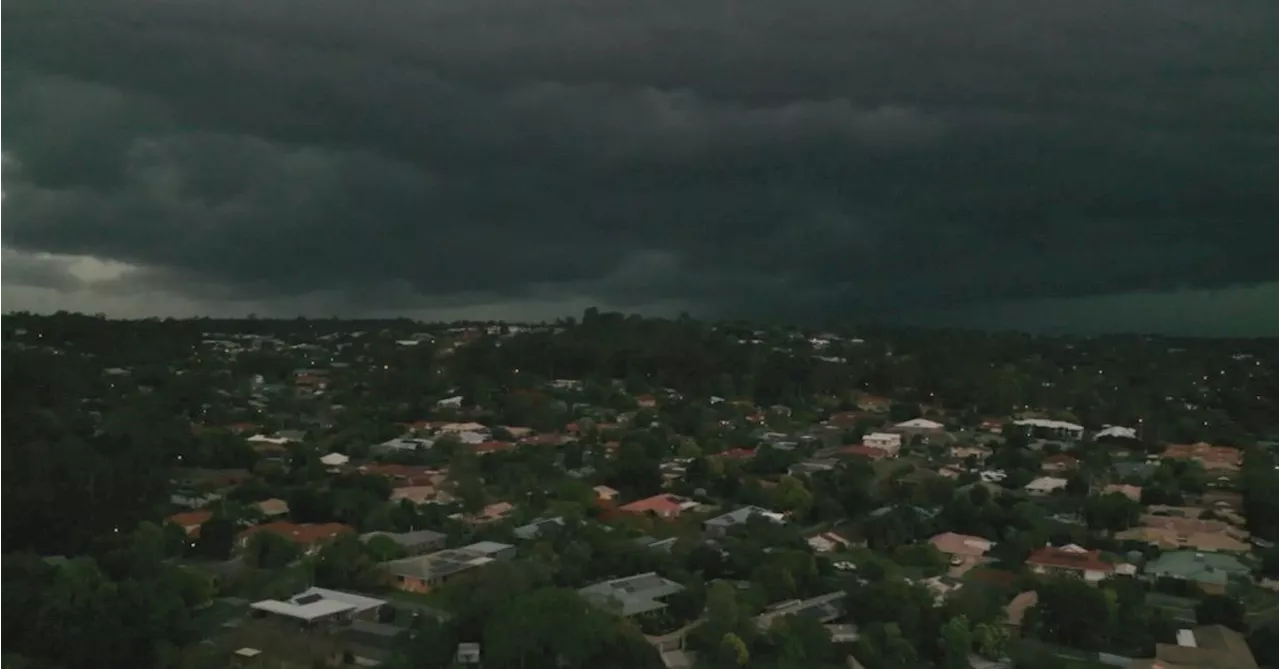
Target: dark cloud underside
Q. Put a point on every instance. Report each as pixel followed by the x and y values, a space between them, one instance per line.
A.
pixel 739 158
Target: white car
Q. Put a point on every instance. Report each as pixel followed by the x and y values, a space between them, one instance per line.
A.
pixel 956 560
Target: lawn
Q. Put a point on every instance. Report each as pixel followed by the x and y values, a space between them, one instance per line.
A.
pixel 210 619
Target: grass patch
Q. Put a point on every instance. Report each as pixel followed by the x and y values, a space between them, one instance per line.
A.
pixel 209 620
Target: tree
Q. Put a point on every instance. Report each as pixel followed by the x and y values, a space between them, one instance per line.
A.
pixel 217 537
pixel 1221 610
pixel 733 651
pixel 344 564
pixel 991 639
pixel 547 622
pixel 268 550
pixel 803 640
pixel 956 641
pixel 1111 512
pixel 791 495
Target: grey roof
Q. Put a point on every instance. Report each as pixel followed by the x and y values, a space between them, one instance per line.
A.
pixel 631 595
pixel 532 530
pixel 737 517
pixel 825 608
pixel 1140 469
pixel 446 562
pixel 1198 567
pixel 414 538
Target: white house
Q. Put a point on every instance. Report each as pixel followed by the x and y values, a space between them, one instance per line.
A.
pixel 1057 428
pixel 334 460
pixel 919 424
pixel 1046 485
pixel 1117 432
pixel 889 443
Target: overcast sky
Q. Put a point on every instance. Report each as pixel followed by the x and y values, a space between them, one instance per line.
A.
pixel 1095 165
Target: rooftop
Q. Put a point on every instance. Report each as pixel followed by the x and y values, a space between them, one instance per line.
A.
pixel 632 595
pixel 446 562
pixel 317 603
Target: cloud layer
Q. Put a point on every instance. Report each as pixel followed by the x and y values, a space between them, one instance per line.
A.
pixel 731 158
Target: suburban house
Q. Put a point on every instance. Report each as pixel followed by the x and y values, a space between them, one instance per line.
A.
pixel 1133 492
pixel 1214 458
pixel 891 444
pixel 1059 464
pixel 646 401
pixel 978 453
pixel 825 608
pixel 1204 647
pixel 424 573
pixel 965 546
pixel 1070 560
pixel 334 460
pixel 190 521
pixel 631 595
pixel 538 528
pixel 1053 428
pixel 920 426
pixel 1178 527
pixel 720 525
pixel 1211 572
pixel 1046 485
pixel 663 506
pixel 828 542
pixel 419 542
pixel 874 404
pixel 416 494
pixel 272 508
pixel 605 493
pixel 309 537
pixel 320 606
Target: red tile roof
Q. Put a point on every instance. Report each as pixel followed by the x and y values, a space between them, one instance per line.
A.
pixel 739 453
pixel 306 534
pixel 1063 558
pixel 190 521
pixel 659 504
pixel 491 446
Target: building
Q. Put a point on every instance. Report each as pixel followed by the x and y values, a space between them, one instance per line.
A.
pixel 663 506
pixel 961 545
pixel 1046 485
pixel 190 521
pixel 538 528
pixel 922 426
pixel 1204 647
pixel 1058 429
pixel 1070 560
pixel 1133 492
pixel 320 607
pixel 419 542
pixel 1213 458
pixel 632 595
pixel 424 573
pixel 825 608
pixel 720 525
pixel 1175 528
pixel 1208 571
pixel 891 444
pixel 309 537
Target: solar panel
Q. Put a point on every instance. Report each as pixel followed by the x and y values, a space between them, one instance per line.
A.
pixel 308 599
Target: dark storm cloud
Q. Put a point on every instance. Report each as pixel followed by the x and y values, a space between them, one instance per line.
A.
pixel 747 157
